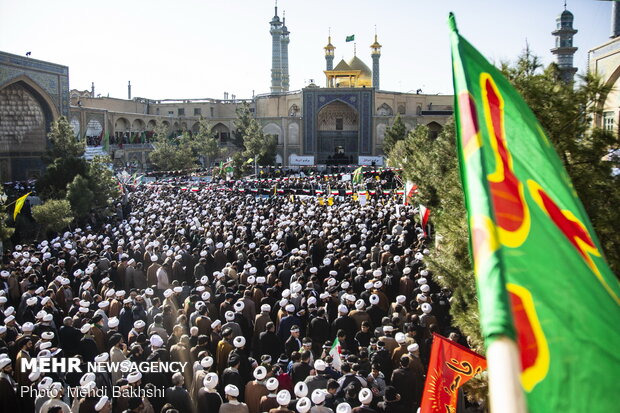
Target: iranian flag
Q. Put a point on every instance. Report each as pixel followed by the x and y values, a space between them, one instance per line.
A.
pixel 424 214
pixel 334 352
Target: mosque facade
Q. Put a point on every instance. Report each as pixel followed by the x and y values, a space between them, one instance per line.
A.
pixel 341 121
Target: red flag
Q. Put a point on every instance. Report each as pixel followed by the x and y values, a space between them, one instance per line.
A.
pixel 424 214
pixel 451 365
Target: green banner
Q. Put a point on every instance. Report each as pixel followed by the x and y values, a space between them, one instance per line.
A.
pixel 540 272
pixel 350 38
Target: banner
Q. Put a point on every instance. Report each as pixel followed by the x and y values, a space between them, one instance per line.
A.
pixel 540 271
pixel 301 160
pixel 451 365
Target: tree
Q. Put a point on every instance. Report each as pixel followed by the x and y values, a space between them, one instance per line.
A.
pixel 59 173
pixel 64 143
pixel 171 154
pixel 102 181
pixel 205 144
pixel 80 196
pixel 53 215
pixel 241 124
pixel 395 133
pixel 5 231
pixel 433 166
pixel 565 113
pixel 249 136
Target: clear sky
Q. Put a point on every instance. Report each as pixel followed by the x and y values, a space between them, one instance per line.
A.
pixel 203 48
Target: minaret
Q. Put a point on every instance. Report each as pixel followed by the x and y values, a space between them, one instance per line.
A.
pixel 284 56
pixel 329 53
pixel 615 20
pixel 276 61
pixel 376 54
pixel 564 49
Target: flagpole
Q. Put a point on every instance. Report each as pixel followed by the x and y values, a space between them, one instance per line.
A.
pixel 505 391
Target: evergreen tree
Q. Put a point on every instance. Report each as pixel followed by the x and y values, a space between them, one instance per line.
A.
pixel 80 196
pixel 241 124
pixel 171 153
pixel 64 142
pixel 395 133
pixel 205 144
pixel 53 215
pixel 566 116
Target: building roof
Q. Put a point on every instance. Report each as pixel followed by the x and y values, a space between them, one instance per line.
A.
pixel 356 64
pixel 342 65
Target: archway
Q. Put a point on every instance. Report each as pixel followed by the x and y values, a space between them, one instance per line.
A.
pixel 221 132
pixel 274 130
pixel 151 125
pixel 434 129
pixel 338 134
pixel 121 127
pixel 26 113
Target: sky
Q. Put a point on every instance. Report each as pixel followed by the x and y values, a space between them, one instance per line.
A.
pixel 186 49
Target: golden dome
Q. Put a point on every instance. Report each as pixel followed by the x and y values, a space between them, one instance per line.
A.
pixel 342 66
pixel 356 64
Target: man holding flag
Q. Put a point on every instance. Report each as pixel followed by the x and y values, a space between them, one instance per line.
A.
pixel 549 304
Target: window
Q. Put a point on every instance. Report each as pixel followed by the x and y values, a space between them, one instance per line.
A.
pixel 170 113
pixel 608 121
pixel 197 111
pixel 181 112
pixel 339 124
pixel 157 111
pixel 211 111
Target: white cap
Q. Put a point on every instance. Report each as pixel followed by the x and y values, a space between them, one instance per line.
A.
pixel 283 398
pixel 4 362
pixel 102 402
pixel 265 308
pixel 231 390
pixel 425 288
pixel 85 328
pixel 206 362
pixel 412 348
pixel 229 315
pixel 290 308
pixel 400 338
pixel 359 304
pixel 342 309
pixel 301 389
pixel 211 380
pixel 343 408
pixel 272 384
pixel 260 373
pixel 86 378
pixel 134 377
pixel 239 306
pixel 374 299
pixel 156 340
pixel 400 299
pixel 365 396
pixel 139 324
pixel 426 308
pixel 320 365
pixel 103 357
pixel 239 341
pixel 303 405
pixel 31 301
pixel 318 396
pixel 112 322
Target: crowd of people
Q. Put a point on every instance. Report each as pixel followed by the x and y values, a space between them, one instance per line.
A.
pixel 266 304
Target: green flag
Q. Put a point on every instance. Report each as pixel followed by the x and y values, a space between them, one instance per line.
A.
pixel 539 267
pixel 358 175
pixel 106 141
pixel 350 38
